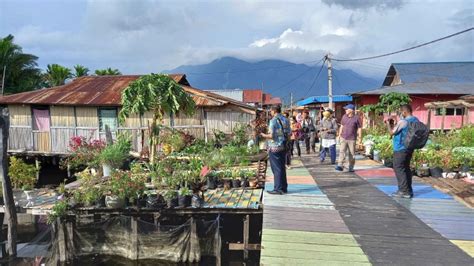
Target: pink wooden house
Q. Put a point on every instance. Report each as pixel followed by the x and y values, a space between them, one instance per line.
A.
pixel 426 83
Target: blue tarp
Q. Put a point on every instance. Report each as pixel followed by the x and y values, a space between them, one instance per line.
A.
pixel 325 99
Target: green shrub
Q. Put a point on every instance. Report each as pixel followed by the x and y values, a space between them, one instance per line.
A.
pixel 22 175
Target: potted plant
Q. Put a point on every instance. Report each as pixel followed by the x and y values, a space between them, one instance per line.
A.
pixel 434 157
pixel 171 197
pixel 464 157
pixel 121 186
pixel 23 176
pixel 184 197
pixel 113 156
pixel 235 178
pixel 212 180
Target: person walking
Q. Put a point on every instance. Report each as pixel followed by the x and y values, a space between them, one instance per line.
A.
pixel 307 126
pixel 349 133
pixel 401 154
pixel 328 130
pixel 295 136
pixel 279 131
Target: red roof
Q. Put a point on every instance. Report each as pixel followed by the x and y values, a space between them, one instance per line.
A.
pixel 106 91
pixel 272 101
pixel 253 96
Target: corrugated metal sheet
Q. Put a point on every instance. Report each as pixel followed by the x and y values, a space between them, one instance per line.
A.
pixel 253 96
pixel 425 88
pixel 106 91
pixel 233 94
pixel 458 72
pixel 272 101
pixel 325 99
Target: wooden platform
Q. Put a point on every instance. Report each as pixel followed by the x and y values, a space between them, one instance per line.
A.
pixel 304 228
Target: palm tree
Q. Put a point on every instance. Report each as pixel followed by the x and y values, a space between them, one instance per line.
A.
pixel 56 75
pixel 80 71
pixel 21 72
pixel 159 94
pixel 107 72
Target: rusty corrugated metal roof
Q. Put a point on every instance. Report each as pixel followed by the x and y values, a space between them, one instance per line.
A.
pixel 106 91
pixel 253 96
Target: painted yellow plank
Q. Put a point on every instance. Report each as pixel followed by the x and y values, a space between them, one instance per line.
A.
pixel 467 246
pixel 307 262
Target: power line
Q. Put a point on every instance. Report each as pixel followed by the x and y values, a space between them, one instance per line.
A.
pixel 315 79
pixel 250 70
pixel 406 49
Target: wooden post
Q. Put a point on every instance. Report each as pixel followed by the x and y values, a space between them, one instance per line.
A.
pixel 70 238
pixel 10 209
pixel 61 238
pixel 37 165
pixel 444 115
pixel 246 236
pixel 429 119
pixel 134 239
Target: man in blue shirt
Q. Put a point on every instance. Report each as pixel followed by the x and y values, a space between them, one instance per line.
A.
pixel 278 133
pixel 402 155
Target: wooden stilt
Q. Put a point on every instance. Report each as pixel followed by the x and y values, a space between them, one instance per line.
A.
pixel 134 239
pixel 246 236
pixel 61 241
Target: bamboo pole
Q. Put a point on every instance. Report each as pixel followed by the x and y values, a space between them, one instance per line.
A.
pixel 7 185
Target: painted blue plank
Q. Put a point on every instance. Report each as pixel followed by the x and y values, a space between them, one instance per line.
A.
pixel 298 189
pixel 420 192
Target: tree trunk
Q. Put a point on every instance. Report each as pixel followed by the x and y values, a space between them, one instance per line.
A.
pixel 7 185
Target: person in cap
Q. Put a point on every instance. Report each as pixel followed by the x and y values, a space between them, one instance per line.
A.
pixel 350 133
pixel 328 131
pixel 278 135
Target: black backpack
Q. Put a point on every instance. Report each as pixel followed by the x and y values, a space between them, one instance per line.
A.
pixel 287 136
pixel 417 135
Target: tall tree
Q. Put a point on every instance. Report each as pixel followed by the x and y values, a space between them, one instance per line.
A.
pixel 80 71
pixel 158 94
pixel 21 71
pixel 56 75
pixel 107 72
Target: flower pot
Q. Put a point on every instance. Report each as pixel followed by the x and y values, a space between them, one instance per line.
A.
pixel 423 172
pixel 172 203
pixel 154 201
pixel 253 183
pixel 436 172
pixel 184 201
pixel 368 149
pixel 106 170
pixel 465 169
pixel 196 201
pixel 29 197
pixel 376 155
pixel 211 183
pixel 227 184
pixel 244 183
pixel 236 183
pixel 388 163
pixel 114 202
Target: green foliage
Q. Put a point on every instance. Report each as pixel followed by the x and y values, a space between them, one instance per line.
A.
pixel 239 135
pixel 159 94
pixel 107 72
pixel 80 71
pixel 21 71
pixel 184 191
pixel 388 103
pixel 170 194
pixel 464 156
pixel 56 75
pixel 115 155
pixel 59 210
pixel 22 175
pixel 385 146
pixel 124 185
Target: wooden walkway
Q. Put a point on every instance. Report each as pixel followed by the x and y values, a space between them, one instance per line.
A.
pixel 304 228
pixel 334 218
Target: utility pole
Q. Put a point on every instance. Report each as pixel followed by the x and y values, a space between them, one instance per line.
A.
pixel 3 78
pixel 328 59
pixel 291 103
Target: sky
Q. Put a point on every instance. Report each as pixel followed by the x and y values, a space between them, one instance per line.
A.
pixel 146 36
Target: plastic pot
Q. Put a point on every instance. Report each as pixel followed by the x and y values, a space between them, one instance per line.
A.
pixel 155 201
pixel 211 183
pixel 106 170
pixel 172 203
pixel 244 183
pixel 114 202
pixel 253 183
pixel 184 201
pixel 236 183
pixel 436 172
pixel 196 201
pixel 227 184
pixel 376 155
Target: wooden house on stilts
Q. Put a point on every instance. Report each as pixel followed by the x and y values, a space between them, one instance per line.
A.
pixel 43 121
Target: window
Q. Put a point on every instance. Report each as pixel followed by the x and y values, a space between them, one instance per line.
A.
pixel 41 119
pixel 450 111
pixel 108 116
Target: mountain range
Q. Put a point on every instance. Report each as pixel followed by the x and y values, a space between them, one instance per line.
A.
pixel 277 77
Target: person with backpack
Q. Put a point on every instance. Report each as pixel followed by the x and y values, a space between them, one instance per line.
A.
pixel 278 138
pixel 408 134
pixel 308 128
